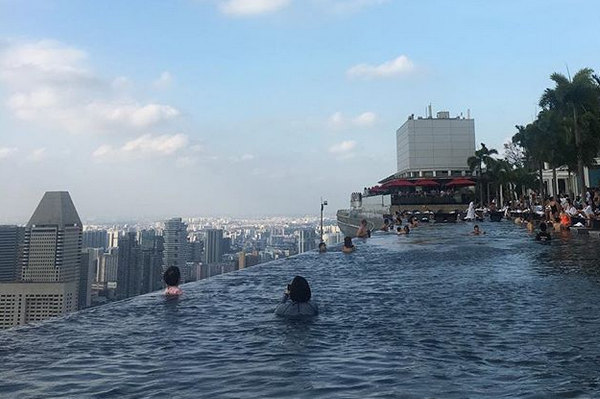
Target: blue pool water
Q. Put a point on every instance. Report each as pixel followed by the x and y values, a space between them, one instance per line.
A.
pixel 435 314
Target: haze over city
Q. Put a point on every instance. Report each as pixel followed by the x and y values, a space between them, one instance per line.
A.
pixel 148 109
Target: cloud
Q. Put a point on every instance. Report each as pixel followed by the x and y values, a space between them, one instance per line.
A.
pixel 338 121
pixel 164 81
pixel 37 155
pixel 252 7
pixel 343 147
pixel 396 67
pixel 146 145
pixel 349 6
pixel 365 119
pixel 7 152
pixel 50 84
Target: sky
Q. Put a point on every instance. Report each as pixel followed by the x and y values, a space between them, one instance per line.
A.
pixel 152 109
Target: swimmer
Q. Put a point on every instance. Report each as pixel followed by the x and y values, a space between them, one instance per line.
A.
pixel 403 231
pixel 386 225
pixel 362 231
pixel 477 231
pixel 171 277
pixel 530 226
pixel 348 246
pixel 296 300
pixel 543 235
pixel 322 247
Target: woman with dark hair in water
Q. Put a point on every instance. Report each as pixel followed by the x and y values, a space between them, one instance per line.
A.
pixel 296 300
pixel 348 246
pixel 171 277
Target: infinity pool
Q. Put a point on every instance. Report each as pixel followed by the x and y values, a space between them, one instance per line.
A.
pixel 434 314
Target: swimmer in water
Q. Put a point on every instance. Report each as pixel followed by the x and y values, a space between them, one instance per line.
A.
pixel 386 225
pixel 171 277
pixel 543 235
pixel 477 231
pixel 404 230
pixel 348 246
pixel 322 247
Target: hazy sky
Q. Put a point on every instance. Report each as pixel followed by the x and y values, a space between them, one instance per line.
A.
pixel 256 107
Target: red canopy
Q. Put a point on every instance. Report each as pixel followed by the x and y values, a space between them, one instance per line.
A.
pixel 377 189
pixel 398 183
pixel 461 182
pixel 426 182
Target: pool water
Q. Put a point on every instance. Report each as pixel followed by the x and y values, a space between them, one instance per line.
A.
pixel 437 313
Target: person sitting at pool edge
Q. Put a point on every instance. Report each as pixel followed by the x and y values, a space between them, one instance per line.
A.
pixel 171 277
pixel 543 235
pixel 322 247
pixel 348 246
pixel 362 231
pixel 296 300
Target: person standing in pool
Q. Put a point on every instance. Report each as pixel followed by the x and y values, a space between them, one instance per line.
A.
pixel 296 300
pixel 543 235
pixel 348 246
pixel 363 231
pixel 171 277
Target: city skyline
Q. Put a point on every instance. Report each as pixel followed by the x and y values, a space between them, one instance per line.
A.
pixel 143 110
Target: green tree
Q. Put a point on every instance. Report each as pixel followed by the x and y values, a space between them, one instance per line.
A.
pixel 572 106
pixel 483 156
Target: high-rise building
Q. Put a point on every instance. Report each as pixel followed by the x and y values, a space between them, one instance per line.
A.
pixel 175 243
pixel 213 240
pixel 86 276
pixel 113 238
pixel 50 266
pixel 109 264
pixel 11 250
pixel 129 280
pixel 95 239
pixel 434 147
pixel 152 264
pixel 307 240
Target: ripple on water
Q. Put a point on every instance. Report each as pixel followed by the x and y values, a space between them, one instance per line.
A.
pixel 437 313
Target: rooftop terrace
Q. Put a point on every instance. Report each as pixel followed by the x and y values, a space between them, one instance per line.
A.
pixel 434 314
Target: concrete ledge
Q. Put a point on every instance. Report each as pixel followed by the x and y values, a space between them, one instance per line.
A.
pixel 594 233
pixel 580 230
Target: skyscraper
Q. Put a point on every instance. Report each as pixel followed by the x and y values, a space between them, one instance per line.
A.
pixel 86 274
pixel 175 236
pixel 213 240
pixel 129 267
pixel 306 240
pixel 95 239
pixel 50 267
pixel 11 250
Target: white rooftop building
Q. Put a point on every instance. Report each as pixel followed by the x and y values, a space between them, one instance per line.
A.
pixel 435 147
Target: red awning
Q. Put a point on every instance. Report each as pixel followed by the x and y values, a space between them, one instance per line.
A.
pixel 398 183
pixel 461 182
pixel 377 189
pixel 426 183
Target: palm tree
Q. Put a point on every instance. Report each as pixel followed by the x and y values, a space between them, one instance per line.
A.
pixel 575 102
pixel 483 156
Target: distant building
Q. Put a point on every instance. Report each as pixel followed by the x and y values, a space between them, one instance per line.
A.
pixel 86 277
pixel 109 264
pixel 11 251
pixel 435 147
pixel 129 267
pixel 152 264
pixel 95 239
pixel 213 250
pixel 113 238
pixel 175 237
pixel 50 266
pixel 307 240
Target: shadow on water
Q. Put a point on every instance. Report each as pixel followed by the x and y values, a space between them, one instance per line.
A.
pixel 437 313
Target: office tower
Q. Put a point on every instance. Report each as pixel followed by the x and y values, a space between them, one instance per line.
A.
pixel 86 274
pixel 50 266
pixel 11 250
pixel 109 264
pixel 306 240
pixel 152 264
pixel 195 250
pixel 113 238
pixel 428 147
pixel 95 239
pixel 129 267
pixel 175 242
pixel 213 240
pixel 226 245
